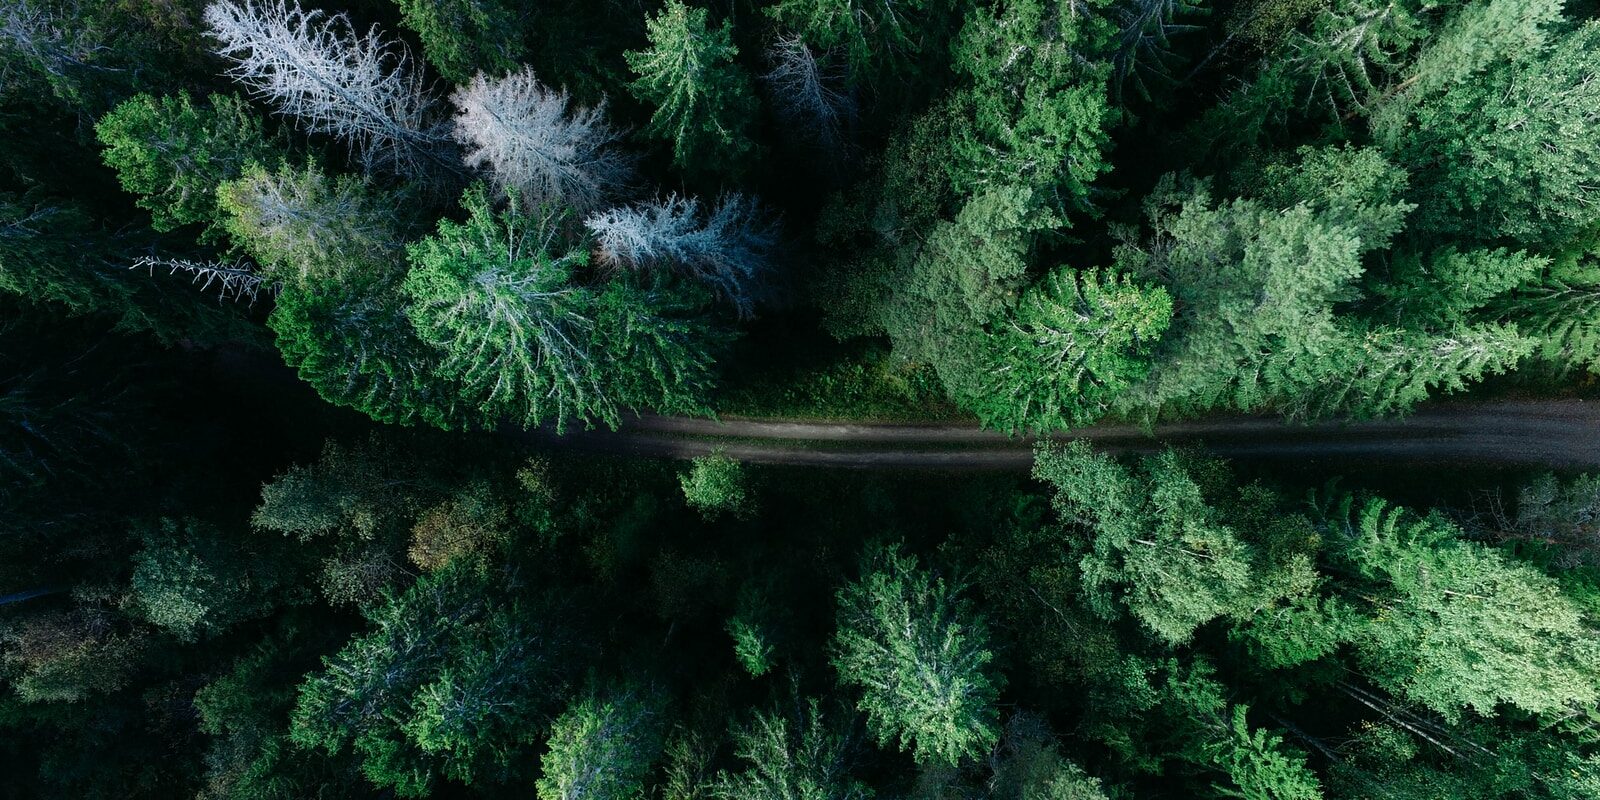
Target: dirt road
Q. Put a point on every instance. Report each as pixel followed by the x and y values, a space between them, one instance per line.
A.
pixel 1556 433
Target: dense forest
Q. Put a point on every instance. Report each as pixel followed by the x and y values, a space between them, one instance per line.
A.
pixel 287 292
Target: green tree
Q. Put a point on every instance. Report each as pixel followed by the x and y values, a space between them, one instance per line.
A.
pixel 602 747
pixel 496 297
pixel 791 757
pixel 1039 111
pixel 450 681
pixel 1156 548
pixel 174 155
pixel 871 33
pixel 194 581
pixel 334 244
pixel 704 102
pixel 717 485
pixel 1456 626
pixel 1475 144
pixel 463 37
pixel 1075 343
pixel 919 654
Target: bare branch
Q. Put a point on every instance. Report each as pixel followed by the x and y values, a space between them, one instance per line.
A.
pixel 232 282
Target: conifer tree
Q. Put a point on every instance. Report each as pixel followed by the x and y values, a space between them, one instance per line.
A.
pixel 919 655
pixel 602 747
pixel 463 37
pixel 704 102
pixel 335 80
pixel 175 155
pixel 496 297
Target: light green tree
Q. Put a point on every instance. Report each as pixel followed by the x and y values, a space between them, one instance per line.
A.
pixel 919 655
pixel 1074 344
pixel 495 296
pixel 602 748
pixel 791 757
pixel 715 485
pixel 174 154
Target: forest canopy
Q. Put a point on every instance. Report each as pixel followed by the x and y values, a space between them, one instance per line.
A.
pixel 306 307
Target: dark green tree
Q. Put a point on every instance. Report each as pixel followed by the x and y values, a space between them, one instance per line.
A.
pixel 704 102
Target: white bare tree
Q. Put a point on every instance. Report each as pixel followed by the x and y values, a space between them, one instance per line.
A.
pixel 804 93
pixel 533 140
pixel 319 69
pixel 729 251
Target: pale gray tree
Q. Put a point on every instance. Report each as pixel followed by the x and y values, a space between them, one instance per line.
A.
pixel 534 140
pixel 805 92
pixel 728 251
pixel 319 69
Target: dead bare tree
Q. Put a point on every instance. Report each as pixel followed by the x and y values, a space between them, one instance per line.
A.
pixel 729 251
pixel 533 140
pixel 335 80
pixel 804 92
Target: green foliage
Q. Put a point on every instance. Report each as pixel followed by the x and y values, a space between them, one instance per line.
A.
pixel 1456 626
pixel 464 37
pixel 193 581
pixel 919 655
pixel 1261 767
pixel 175 155
pixel 1157 548
pixel 1262 293
pixel 68 656
pixel 1039 112
pixel 312 231
pixel 751 646
pixel 1074 345
pixel 717 485
pixel 602 748
pixel 792 756
pixel 872 35
pixel 449 682
pixel 495 296
pixel 1478 142
pixel 1034 769
pixel 704 103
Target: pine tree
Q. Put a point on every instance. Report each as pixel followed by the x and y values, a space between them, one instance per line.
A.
pixel 1073 345
pixel 919 654
pixel 1156 547
pixel 793 756
pixel 463 37
pixel 495 296
pixel 1039 111
pixel 704 102
pixel 448 683
pixel 1476 143
pixel 871 33
pixel 1455 626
